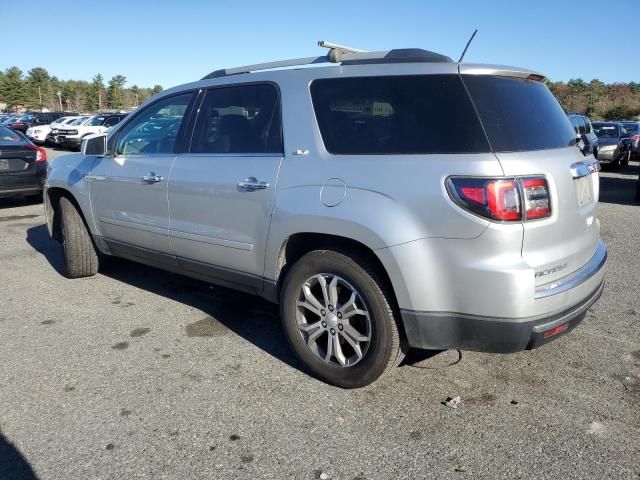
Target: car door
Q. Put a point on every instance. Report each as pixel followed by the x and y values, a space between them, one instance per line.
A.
pixel 221 189
pixel 129 187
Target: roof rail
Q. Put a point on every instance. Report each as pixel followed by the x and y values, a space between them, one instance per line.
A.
pixel 340 54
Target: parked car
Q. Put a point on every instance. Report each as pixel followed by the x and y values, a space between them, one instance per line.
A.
pixel 71 137
pixel 22 165
pixel 9 119
pixel 614 145
pixel 371 199
pixel 32 119
pixel 582 126
pixel 633 128
pixel 52 136
pixel 38 134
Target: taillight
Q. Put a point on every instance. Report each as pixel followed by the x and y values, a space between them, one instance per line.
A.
pixel 41 153
pixel 635 138
pixel 537 202
pixel 505 200
pixel 16 125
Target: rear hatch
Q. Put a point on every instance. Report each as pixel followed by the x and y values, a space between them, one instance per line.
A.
pixel 531 135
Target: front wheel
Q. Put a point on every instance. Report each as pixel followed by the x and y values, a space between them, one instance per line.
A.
pixel 338 317
pixel 626 158
pixel 80 254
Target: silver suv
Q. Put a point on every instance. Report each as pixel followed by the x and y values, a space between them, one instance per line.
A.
pixel 386 200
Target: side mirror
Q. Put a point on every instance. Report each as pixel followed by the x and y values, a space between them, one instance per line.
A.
pixel 94 145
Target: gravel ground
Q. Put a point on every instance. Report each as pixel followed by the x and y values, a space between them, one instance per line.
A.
pixel 138 373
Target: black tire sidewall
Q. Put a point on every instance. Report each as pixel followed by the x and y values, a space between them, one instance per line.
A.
pixel 377 357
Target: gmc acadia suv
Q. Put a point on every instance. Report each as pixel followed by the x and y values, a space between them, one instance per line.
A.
pixel 395 200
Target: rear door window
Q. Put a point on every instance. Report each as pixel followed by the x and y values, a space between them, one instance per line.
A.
pixel 413 114
pixel 243 119
pixel 518 114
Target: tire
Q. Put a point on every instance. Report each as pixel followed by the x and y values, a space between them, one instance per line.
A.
pixel 626 158
pixel 80 254
pixel 380 342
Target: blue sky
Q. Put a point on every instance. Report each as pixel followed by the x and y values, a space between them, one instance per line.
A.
pixel 169 43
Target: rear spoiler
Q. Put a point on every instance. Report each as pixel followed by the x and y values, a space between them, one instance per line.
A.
pixel 500 70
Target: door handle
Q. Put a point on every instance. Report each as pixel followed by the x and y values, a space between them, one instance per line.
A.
pixel 252 183
pixel 152 178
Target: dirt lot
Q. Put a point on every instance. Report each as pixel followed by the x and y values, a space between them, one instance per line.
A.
pixel 137 373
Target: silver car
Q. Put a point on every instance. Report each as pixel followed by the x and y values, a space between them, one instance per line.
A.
pixel 388 200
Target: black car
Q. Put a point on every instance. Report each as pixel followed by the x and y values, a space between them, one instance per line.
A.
pixel 614 144
pixel 633 128
pixel 31 119
pixel 23 165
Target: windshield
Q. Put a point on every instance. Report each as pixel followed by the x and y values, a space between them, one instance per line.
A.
pixel 78 121
pixel 518 114
pixel 606 131
pixel 96 121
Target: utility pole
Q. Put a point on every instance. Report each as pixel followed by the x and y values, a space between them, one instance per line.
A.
pixel 40 96
pixel 59 93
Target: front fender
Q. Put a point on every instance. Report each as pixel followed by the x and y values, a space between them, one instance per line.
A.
pixel 68 173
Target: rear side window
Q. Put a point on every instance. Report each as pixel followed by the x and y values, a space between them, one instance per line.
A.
pixel 519 114
pixel 239 119
pixel 414 114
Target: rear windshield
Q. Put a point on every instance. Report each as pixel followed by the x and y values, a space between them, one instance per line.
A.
pixel 9 136
pixel 518 114
pixel 415 114
pixel 605 131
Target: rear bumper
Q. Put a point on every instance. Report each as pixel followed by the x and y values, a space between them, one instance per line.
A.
pixel 560 304
pixel 444 331
pixel 23 184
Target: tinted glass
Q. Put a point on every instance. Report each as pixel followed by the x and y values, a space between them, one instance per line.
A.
pixel 587 125
pixel 606 130
pixel 574 123
pixel 242 119
pixel 154 129
pixel 519 114
pixel 581 125
pixel 111 121
pixel 632 127
pixel 416 114
pixel 8 136
pixel 42 118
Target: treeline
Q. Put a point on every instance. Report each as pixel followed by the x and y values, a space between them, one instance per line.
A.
pixel 38 89
pixel 598 100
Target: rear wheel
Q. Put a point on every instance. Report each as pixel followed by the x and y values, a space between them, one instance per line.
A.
pixel 80 254
pixel 338 317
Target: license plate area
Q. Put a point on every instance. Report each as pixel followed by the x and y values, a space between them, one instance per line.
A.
pixel 584 190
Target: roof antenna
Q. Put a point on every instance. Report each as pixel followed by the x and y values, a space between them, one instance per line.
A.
pixel 468 43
